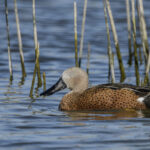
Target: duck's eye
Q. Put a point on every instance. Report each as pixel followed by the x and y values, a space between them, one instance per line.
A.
pixel 71 88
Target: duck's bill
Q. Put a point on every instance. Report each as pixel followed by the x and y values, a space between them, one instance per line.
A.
pixel 60 85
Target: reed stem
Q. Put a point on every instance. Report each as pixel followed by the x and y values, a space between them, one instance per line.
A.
pixel 144 40
pixel 33 81
pixel 35 70
pixel 82 32
pixel 129 31
pixel 75 35
pixel 140 55
pixel 121 67
pixel 143 26
pixel 8 39
pixel 36 46
pixel 134 44
pixel 146 79
pixel 110 56
pixel 88 58
pixel 44 81
pixel 141 32
pixel 19 40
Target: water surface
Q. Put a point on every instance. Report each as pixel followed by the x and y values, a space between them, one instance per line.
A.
pixel 38 124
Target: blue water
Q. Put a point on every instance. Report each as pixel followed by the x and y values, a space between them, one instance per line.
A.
pixel 37 123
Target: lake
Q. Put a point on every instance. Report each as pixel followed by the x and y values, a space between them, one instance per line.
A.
pixel 37 123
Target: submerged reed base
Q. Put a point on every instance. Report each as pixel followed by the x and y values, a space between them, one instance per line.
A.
pixel 8 39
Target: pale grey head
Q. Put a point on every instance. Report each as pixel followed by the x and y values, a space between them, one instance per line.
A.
pixel 73 78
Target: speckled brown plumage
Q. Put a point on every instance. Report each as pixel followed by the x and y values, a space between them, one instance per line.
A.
pixel 104 97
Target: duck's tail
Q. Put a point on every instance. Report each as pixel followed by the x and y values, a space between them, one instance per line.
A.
pixel 145 99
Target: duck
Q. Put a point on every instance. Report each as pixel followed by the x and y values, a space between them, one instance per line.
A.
pixel 103 97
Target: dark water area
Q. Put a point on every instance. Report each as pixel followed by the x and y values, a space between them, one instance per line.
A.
pixel 38 124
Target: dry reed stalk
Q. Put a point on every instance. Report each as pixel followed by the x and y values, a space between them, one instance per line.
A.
pixel 75 35
pixel 19 40
pixel 146 79
pixel 88 58
pixel 8 39
pixel 140 55
pixel 33 81
pixel 36 46
pixel 82 32
pixel 44 81
pixel 144 40
pixel 110 56
pixel 121 67
pixel 129 31
pixel 134 44
pixel 141 34
pixel 143 26
pixel 34 73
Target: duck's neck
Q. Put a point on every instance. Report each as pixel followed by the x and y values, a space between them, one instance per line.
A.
pixel 80 88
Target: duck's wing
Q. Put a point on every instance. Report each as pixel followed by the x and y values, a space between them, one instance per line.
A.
pixel 139 90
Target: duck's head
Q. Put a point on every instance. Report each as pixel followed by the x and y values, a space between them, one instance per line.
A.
pixel 73 78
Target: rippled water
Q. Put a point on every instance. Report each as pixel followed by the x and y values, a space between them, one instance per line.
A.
pixel 37 124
